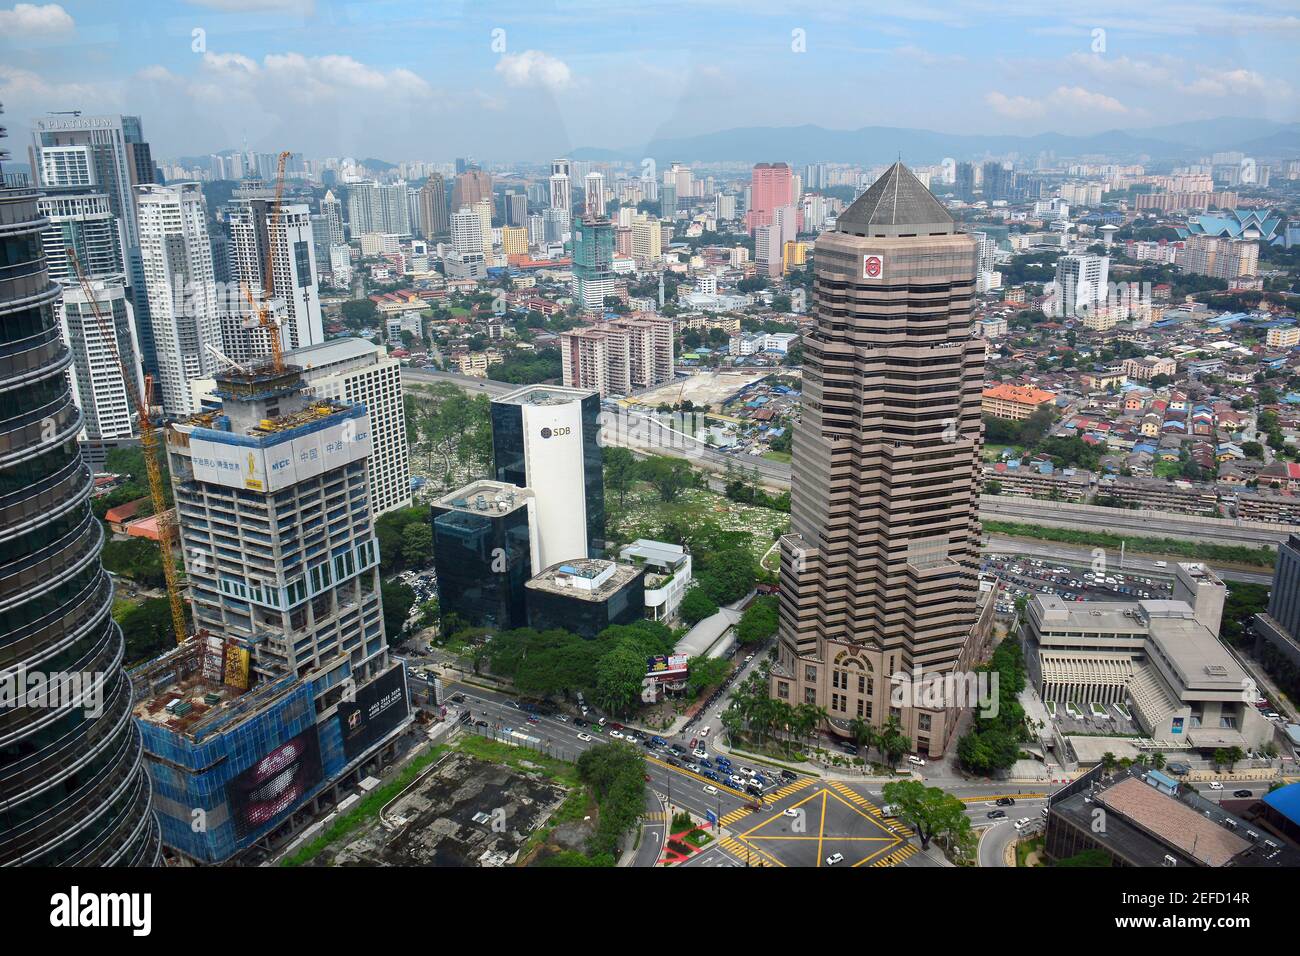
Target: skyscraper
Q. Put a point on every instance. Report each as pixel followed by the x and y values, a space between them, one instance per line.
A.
pixel 433 203
pixel 594 193
pixel 771 188
pixel 378 207
pixel 97 384
pixel 284 245
pixel 104 155
pixel 71 782
pixel 1080 284
pixel 332 210
pixel 470 187
pixel 85 223
pixel 177 264
pixel 561 187
pixel 546 438
pixel 593 263
pixel 514 208
pixel 880 571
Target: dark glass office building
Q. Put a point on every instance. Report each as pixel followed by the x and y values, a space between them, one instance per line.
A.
pixel 73 791
pixel 585 597
pixel 482 555
pixel 546 438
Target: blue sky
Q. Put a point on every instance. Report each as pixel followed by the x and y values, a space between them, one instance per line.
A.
pixel 528 80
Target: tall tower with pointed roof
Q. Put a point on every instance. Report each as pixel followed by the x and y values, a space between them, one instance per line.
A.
pixel 879 574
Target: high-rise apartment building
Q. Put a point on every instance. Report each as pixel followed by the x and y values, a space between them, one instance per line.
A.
pixel 879 574
pixel 434 215
pixel 1080 286
pixel 284 246
pixel 467 231
pixel 470 187
pixel 647 241
pixel 620 355
pixel 356 372
pixel 771 188
pixel 83 222
pixel 104 155
pixel 97 384
pixel 177 263
pixel 72 787
pixel 378 207
pixel 771 239
pixel 546 438
pixel 1218 258
pixel 514 209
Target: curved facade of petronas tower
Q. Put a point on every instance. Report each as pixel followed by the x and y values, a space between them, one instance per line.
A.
pixel 73 791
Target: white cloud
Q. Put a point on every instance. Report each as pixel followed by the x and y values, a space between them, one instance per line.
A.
pixel 23 91
pixel 1231 82
pixel 258 6
pixel 298 77
pixel 535 68
pixel 1078 99
pixel 28 19
pixel 1015 107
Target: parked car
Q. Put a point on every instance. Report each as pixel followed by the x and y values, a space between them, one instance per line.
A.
pixel 915 760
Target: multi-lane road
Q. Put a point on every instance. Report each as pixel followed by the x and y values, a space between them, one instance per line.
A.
pixel 646 434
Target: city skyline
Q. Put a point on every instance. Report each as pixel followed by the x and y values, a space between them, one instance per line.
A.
pixel 515 82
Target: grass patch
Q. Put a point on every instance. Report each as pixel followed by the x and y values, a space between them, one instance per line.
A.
pixel 519 758
pixel 1025 847
pixel 644 516
pixel 364 809
pixel 782 456
pixel 698 838
pixel 1234 553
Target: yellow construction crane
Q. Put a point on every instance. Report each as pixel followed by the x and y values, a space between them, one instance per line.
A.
pixel 263 309
pixel 149 445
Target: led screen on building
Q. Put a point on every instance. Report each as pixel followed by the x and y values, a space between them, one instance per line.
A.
pixel 275 784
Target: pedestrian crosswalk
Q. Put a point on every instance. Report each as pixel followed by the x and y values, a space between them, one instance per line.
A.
pixel 790 788
pixel 733 816
pixel 897 857
pixel 742 852
pixel 848 793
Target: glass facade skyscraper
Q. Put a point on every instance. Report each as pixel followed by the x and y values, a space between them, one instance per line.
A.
pixel 72 788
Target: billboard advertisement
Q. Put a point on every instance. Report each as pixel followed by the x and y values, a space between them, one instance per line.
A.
pixel 275 784
pixel 270 468
pixel 666 667
pixel 378 708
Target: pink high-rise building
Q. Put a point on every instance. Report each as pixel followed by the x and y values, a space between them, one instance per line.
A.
pixel 771 187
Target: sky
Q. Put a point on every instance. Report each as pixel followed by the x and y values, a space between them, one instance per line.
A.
pixel 501 80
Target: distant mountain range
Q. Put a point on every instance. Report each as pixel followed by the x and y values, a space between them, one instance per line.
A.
pixel 879 144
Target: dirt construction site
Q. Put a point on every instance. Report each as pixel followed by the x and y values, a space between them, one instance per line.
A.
pixel 709 389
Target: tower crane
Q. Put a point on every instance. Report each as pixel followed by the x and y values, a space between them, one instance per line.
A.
pixel 149 445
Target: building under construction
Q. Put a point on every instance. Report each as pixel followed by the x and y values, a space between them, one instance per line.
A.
pixel 288 691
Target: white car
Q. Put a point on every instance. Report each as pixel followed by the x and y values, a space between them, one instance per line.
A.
pixel 700 753
pixel 1215 785
pixel 834 858
pixel 705 732
pixel 616 735
pixel 584 736
pixel 915 761
pixel 1023 822
pixel 791 812
pixel 563 718
pixel 710 789
pixel 1273 715
pixel 749 771
pixel 601 722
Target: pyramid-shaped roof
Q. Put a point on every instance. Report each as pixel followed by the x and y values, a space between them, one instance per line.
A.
pixel 896 202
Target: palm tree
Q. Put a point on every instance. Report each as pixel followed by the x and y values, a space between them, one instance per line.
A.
pixel 1158 761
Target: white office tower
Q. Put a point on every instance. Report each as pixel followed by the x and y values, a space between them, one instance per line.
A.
pixel 96 344
pixel 356 372
pixel 85 223
pixel 274 511
pixel 467 231
pixel 546 438
pixel 283 243
pixel 561 196
pixel 1080 284
pixel 986 277
pixel 594 194
pixel 341 264
pixel 332 210
pixel 177 263
pixel 724 206
pixel 244 340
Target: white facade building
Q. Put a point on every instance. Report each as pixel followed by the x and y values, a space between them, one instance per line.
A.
pixel 176 259
pixel 98 387
pixel 291 255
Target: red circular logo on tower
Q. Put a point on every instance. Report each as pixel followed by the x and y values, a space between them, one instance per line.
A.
pixel 872 266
